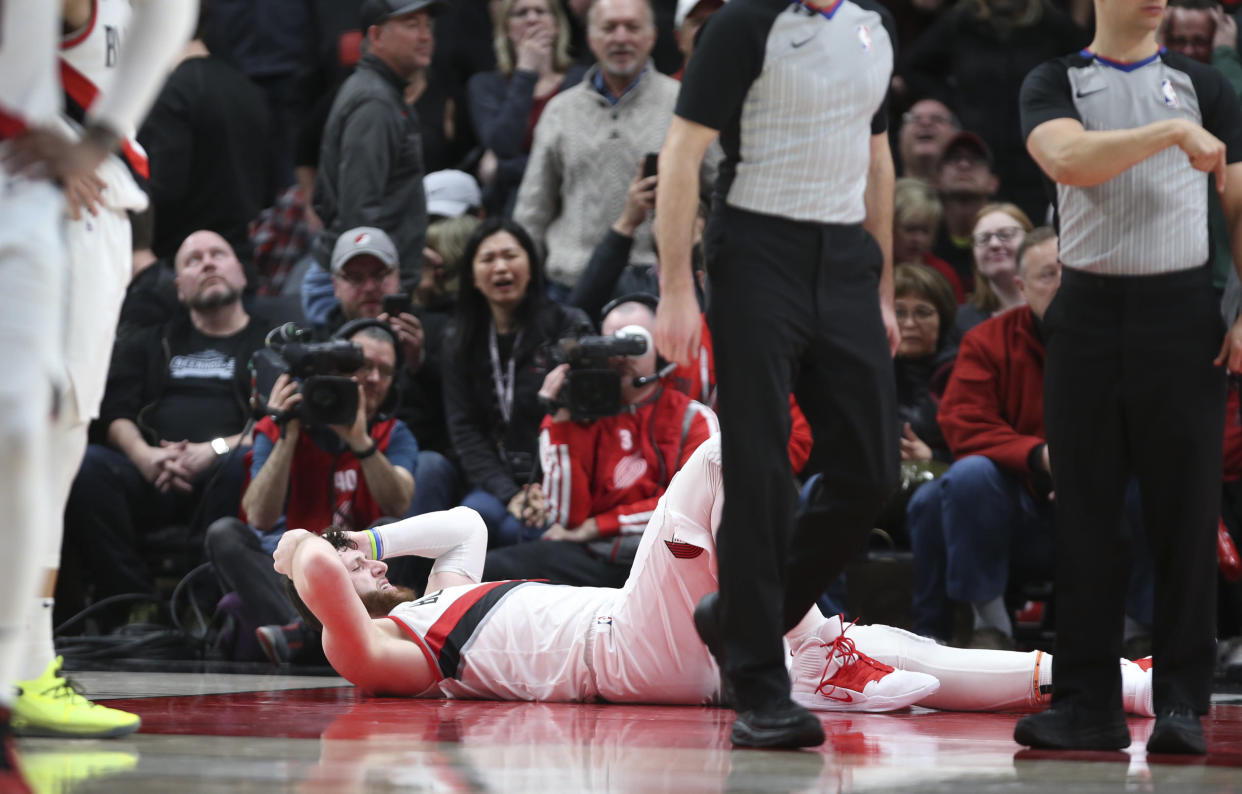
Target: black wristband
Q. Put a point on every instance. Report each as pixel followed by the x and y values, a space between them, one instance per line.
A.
pixel 550 406
pixel 368 452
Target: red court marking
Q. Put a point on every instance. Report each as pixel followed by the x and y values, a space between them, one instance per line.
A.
pixel 860 739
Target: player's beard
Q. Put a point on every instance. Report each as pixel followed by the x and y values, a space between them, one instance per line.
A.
pixel 380 602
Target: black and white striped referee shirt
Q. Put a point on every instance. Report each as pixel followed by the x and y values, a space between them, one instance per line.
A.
pixel 1153 217
pixel 796 93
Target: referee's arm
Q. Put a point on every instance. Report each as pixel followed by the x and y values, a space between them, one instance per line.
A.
pixel 677 198
pixel 1071 155
pixel 878 197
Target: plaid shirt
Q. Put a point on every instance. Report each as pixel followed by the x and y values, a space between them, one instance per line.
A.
pixel 281 238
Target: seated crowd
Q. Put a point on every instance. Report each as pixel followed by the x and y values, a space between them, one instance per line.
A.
pixel 409 324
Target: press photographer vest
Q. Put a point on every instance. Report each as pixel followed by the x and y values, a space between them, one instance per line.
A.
pixel 324 486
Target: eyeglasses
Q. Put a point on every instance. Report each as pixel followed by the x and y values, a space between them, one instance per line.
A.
pixel 358 279
pixel 385 371
pixel 1006 235
pixel 926 118
pixel 918 313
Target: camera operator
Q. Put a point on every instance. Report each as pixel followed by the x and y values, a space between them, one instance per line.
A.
pixel 603 478
pixel 366 282
pixel 174 406
pixel 315 477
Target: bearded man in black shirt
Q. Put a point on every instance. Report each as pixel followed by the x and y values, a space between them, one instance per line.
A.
pixel 174 408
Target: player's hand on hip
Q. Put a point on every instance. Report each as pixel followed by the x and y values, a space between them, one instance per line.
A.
pixel 1231 349
pixel 282 558
pixel 678 326
pixel 83 193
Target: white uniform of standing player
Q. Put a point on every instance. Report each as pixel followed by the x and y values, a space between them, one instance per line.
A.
pixel 99 264
pixel 32 260
pixel 82 298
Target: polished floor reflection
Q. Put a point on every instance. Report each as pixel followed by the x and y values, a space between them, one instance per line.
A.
pixel 208 733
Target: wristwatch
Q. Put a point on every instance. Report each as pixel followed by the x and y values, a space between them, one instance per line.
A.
pixel 219 446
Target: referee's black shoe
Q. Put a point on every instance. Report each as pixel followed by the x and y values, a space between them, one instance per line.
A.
pixel 782 725
pixel 1178 731
pixel 1069 728
pixel 785 725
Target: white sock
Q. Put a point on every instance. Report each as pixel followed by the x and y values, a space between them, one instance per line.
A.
pixel 809 624
pixel 37 648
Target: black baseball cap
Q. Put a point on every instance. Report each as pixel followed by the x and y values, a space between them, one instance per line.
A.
pixel 375 12
pixel 965 139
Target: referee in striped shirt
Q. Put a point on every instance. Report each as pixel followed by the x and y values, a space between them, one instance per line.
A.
pixel 1133 384
pixel 798 249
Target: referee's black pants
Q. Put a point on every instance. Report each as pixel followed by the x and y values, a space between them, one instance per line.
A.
pixel 794 306
pixel 1130 389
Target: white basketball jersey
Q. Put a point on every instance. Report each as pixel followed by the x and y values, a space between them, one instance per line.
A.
pixel 95 51
pixel 88 67
pixel 513 640
pixel 29 90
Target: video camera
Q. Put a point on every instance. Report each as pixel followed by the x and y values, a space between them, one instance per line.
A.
pixel 593 389
pixel 329 395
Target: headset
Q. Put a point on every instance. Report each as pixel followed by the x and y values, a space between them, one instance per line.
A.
pixel 663 367
pixel 354 326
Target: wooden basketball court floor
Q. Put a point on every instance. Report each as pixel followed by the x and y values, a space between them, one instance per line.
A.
pixel 275 733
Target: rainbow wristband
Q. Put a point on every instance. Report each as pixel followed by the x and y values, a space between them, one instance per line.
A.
pixel 377 544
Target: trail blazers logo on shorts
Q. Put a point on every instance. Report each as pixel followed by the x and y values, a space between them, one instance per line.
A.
pixel 682 550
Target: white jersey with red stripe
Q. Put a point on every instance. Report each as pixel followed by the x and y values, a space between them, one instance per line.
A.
pixel 29 89
pixel 532 641
pixel 513 640
pixel 100 245
pixel 88 68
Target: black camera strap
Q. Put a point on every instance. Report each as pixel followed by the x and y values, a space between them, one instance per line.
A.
pixel 501 380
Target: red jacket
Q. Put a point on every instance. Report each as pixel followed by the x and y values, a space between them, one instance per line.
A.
pixel 310 504
pixel 698 380
pixel 615 469
pixel 994 403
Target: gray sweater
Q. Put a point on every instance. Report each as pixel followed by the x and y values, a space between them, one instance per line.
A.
pixel 585 153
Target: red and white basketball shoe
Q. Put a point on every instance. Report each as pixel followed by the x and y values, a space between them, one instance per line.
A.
pixel 836 676
pixel 1136 687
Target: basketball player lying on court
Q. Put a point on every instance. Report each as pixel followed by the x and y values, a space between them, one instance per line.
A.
pixel 520 640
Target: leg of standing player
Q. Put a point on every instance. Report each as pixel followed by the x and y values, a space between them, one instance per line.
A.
pixel 99 254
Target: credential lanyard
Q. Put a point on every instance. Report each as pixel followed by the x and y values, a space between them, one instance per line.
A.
pixel 503 381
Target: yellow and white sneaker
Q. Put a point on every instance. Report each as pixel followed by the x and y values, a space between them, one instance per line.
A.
pixel 51 705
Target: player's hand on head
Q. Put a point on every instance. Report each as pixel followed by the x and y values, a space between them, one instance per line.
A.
pixel 282 557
